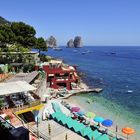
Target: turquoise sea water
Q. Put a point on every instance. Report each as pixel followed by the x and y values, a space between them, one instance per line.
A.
pixel 117 71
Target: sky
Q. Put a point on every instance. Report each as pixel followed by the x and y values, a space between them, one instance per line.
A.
pixel 98 22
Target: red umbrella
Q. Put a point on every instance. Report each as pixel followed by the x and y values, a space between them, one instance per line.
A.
pixel 75 109
pixel 128 131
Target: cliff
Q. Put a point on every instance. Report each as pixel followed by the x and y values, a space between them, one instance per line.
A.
pixel 70 43
pixel 51 42
pixel 76 43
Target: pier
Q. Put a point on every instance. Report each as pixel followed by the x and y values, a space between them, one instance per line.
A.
pixel 81 91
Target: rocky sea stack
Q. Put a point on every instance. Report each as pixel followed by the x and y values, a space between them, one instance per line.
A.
pixel 70 43
pixel 51 42
pixel 77 43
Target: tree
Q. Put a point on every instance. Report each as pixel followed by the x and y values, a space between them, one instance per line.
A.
pixel 25 34
pixel 6 35
pixel 41 45
pixel 3 21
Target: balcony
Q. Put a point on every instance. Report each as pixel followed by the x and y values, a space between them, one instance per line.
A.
pixel 29 107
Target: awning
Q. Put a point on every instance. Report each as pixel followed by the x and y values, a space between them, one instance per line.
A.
pixel 38 107
pixel 15 87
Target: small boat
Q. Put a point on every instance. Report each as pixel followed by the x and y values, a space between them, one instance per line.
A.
pixel 57 49
pixel 84 53
pixel 112 53
pixel 87 51
pixel 130 91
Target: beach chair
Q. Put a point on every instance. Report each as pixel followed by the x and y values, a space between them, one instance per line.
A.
pixel 86 131
pixel 95 134
pixel 115 139
pixel 56 107
pixel 103 137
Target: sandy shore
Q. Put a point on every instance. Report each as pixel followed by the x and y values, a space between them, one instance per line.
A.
pixel 74 102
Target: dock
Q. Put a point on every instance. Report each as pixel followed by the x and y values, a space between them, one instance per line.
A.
pixel 81 91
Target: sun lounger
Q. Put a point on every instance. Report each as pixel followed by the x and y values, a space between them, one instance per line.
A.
pixel 95 134
pixel 86 131
pixel 114 139
pixel 103 137
pixel 56 107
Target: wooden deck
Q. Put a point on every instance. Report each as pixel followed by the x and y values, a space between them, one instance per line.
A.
pixel 58 132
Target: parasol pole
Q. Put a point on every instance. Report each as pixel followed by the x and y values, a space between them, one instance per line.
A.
pixel 116 131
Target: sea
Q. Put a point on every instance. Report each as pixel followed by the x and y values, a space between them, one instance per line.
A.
pixel 116 69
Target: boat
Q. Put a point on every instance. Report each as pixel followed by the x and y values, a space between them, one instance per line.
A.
pixel 87 51
pixel 112 53
pixel 57 49
pixel 130 91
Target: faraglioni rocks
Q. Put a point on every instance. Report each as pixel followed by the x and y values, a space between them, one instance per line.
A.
pixel 70 43
pixel 78 42
pixel 51 42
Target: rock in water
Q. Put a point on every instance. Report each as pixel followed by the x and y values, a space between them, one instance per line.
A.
pixel 70 43
pixel 51 42
pixel 78 42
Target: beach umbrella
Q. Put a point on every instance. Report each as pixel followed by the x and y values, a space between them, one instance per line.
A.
pixel 116 130
pixel 90 115
pixel 107 123
pixel 98 119
pixel 128 131
pixel 80 113
pixel 75 109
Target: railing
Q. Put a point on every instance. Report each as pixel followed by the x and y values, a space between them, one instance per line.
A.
pixel 39 85
pixel 32 130
pixel 31 104
pixel 8 125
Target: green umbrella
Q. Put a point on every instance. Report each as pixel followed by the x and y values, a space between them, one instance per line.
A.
pixel 90 115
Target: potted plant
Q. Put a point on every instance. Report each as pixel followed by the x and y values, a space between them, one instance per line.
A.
pixel 7 118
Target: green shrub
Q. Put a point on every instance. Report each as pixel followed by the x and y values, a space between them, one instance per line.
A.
pixel 28 68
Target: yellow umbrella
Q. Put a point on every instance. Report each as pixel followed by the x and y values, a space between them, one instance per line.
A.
pixel 90 115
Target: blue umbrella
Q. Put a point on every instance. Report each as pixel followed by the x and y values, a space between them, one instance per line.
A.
pixel 107 123
pixel 80 113
pixel 98 119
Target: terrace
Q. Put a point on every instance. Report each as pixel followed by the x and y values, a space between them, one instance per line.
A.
pixel 18 97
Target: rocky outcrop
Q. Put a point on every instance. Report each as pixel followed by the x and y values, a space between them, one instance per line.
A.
pixel 78 42
pixel 51 42
pixel 70 43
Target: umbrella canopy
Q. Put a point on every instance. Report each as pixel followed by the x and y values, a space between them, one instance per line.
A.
pixel 75 109
pixel 107 123
pixel 128 131
pixel 80 113
pixel 90 115
pixel 98 119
